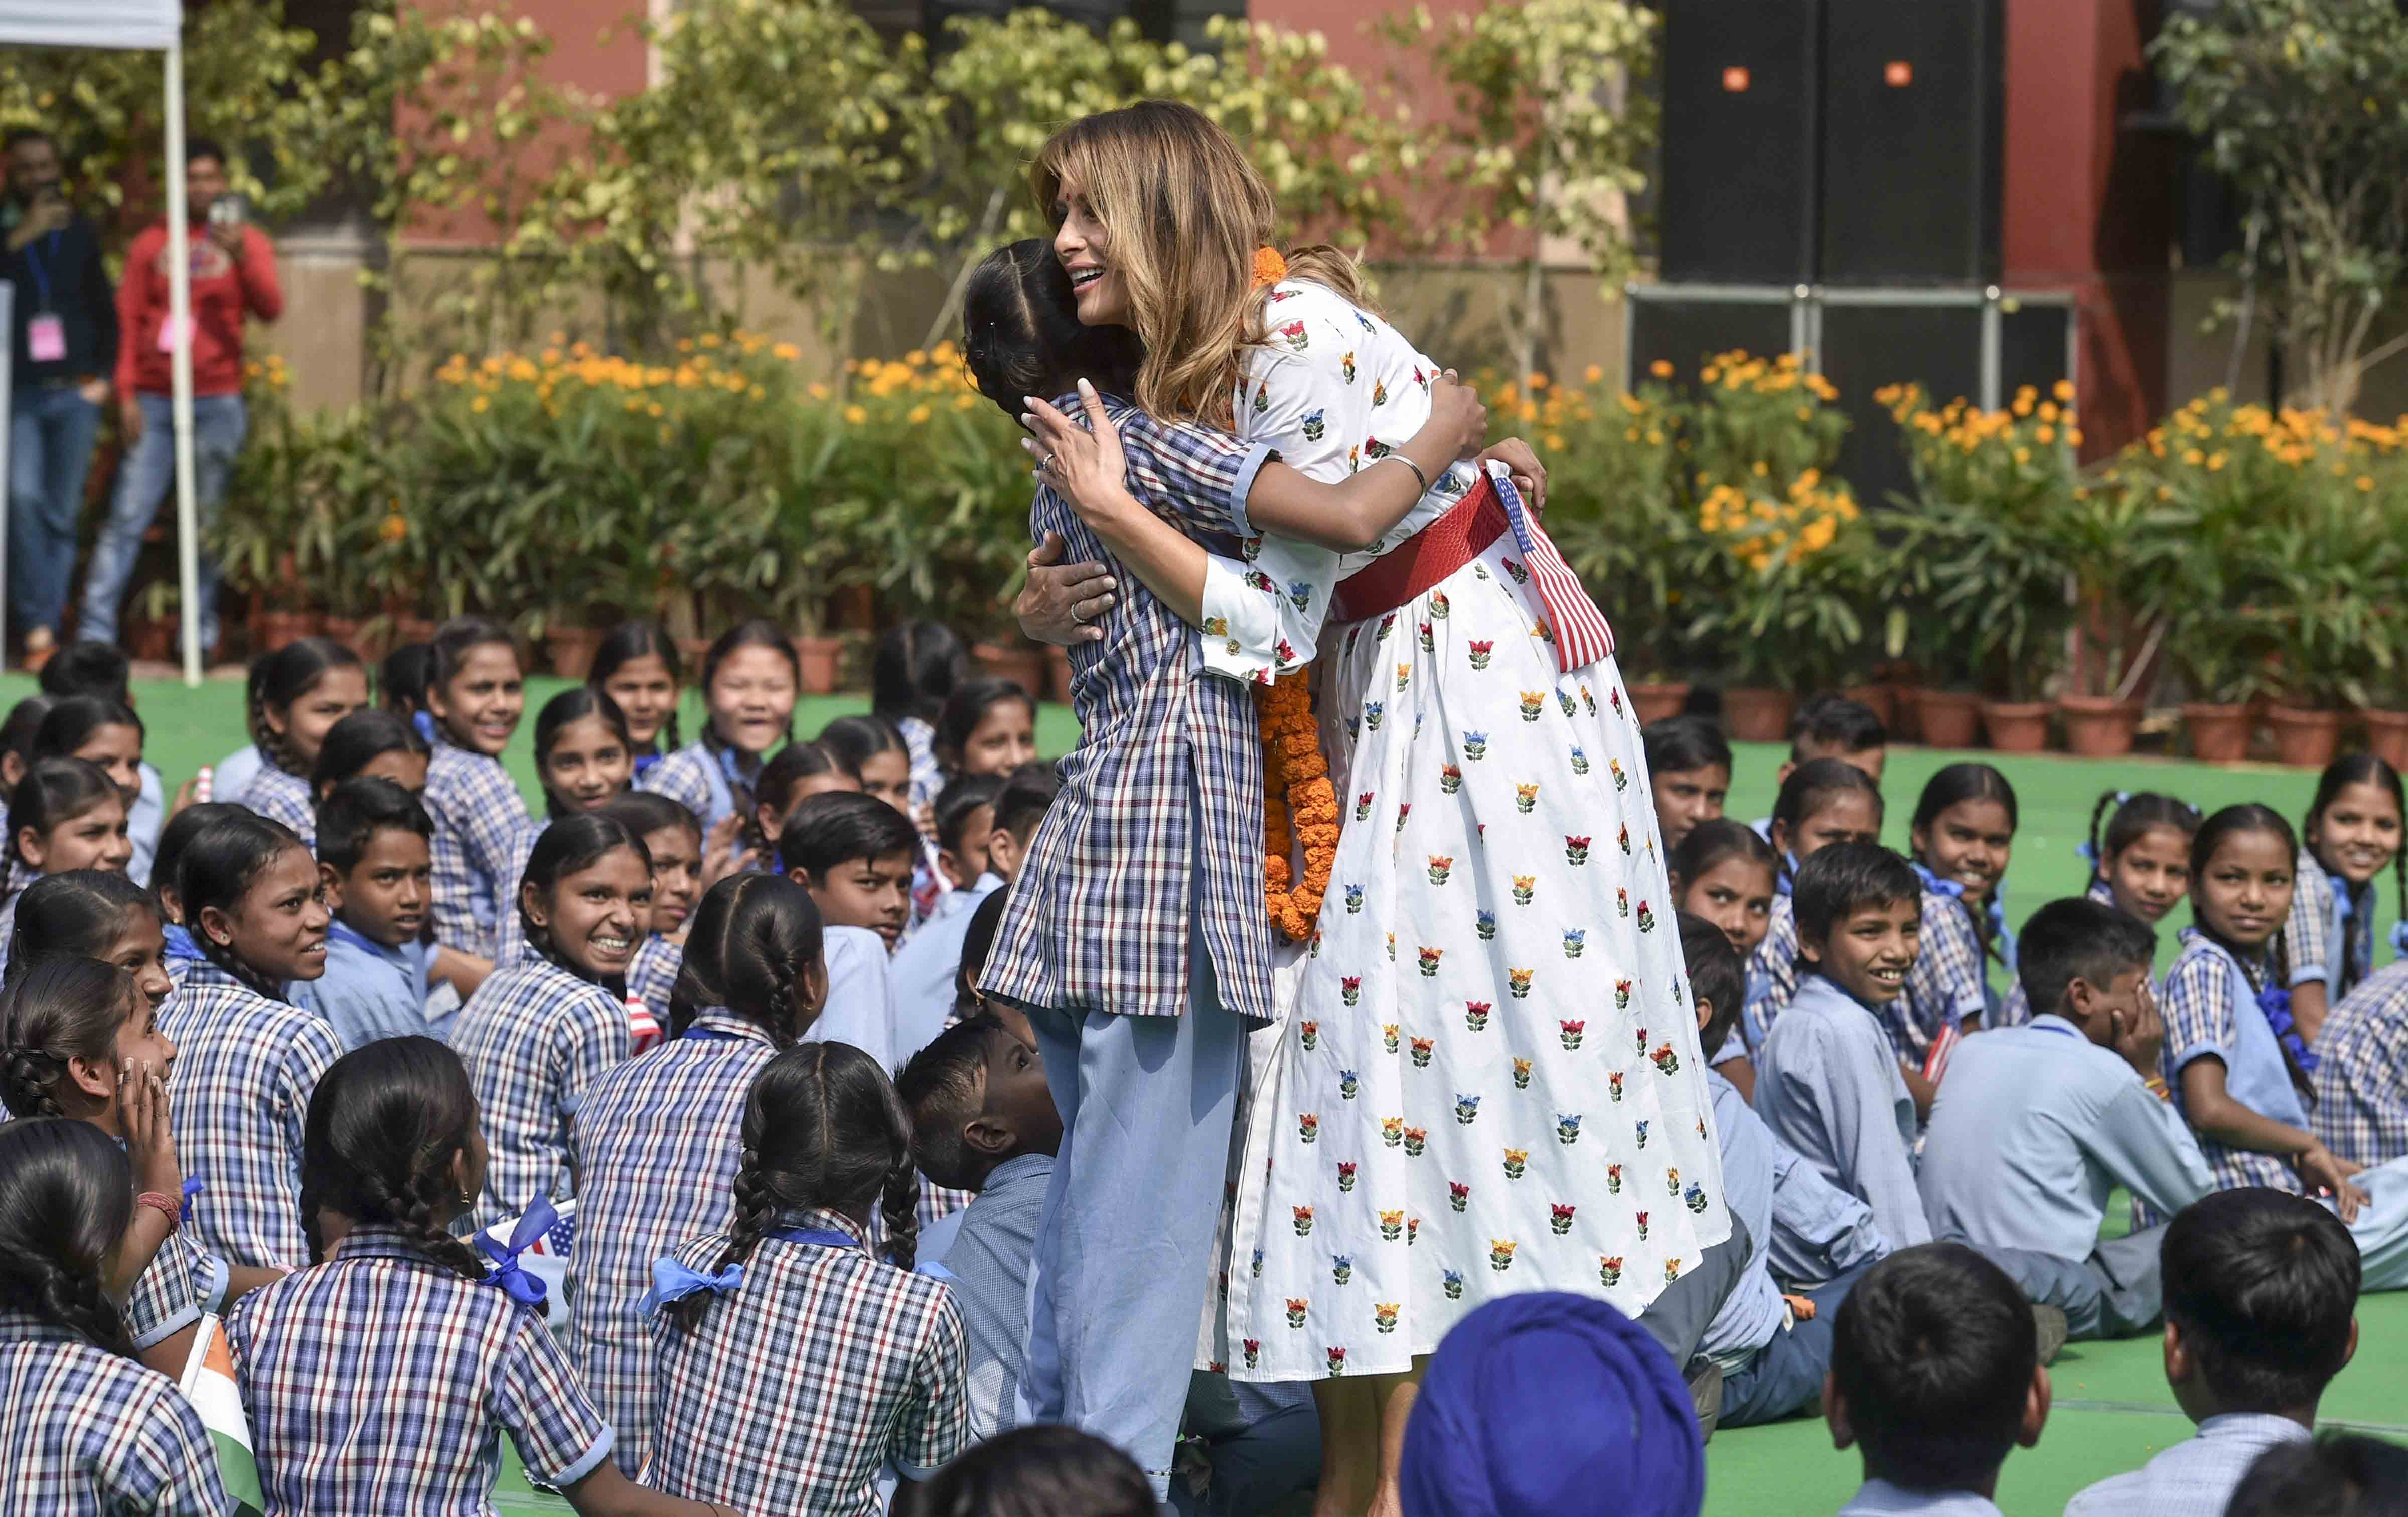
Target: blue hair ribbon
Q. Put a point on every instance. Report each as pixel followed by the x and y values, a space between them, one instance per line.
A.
pixel 513 1281
pixel 674 1282
pixel 425 722
pixel 2275 1003
pixel 184 1208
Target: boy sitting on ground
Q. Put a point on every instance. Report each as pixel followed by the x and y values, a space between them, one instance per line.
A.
pixel 854 853
pixel 374 868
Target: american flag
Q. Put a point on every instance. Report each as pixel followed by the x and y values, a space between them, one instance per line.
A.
pixel 1582 634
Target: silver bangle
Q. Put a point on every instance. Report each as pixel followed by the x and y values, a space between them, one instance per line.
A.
pixel 1416 468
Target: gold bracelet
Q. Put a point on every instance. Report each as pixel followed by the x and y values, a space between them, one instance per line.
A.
pixel 1416 468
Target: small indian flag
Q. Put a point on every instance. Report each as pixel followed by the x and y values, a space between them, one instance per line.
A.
pixel 208 1384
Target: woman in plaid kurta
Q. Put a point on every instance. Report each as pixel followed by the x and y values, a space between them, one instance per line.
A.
pixel 474 697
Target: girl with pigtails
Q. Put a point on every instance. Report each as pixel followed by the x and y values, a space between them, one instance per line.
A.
pixel 795 1363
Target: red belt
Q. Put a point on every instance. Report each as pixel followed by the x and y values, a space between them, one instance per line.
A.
pixel 1424 560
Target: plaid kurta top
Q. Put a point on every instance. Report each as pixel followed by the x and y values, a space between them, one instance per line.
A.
pixel 1771 973
pixel 382 1381
pixel 509 927
pixel 1166 786
pixel 534 1038
pixel 85 1433
pixel 657 1141
pixel 652 974
pixel 795 1388
pixel 245 1066
pixel 2329 935
pixel 2361 1110
pixel 2204 1016
pixel 695 777
pixel 1946 984
pixel 182 1281
pixel 477 813
pixel 284 797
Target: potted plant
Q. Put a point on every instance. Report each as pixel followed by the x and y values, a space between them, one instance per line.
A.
pixel 2326 575
pixel 2125 564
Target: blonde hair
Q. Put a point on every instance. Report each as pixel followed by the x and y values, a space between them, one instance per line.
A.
pixel 1185 211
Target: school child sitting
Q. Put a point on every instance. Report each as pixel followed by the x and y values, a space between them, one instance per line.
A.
pixel 1831 726
pixel 1048 1468
pixel 854 854
pixel 84 1427
pixel 2036 1125
pixel 2261 1295
pixel 983 1120
pixel 1688 773
pixel 636 665
pixel 375 742
pixel 914 667
pixel 382 1379
pixel 1823 801
pixel 475 695
pixel 2352 834
pixel 750 678
pixel 1772 1348
pixel 1725 873
pixel 2361 1078
pixel 174 838
pixel 2140 866
pixel 673 841
pixel 657 1139
pixel 2338 1475
pixel 65 814
pixel 1827 1080
pixel 793 775
pixel 295 697
pixel 925 963
pixel 90 667
pixel 795 1364
pixel 1964 829
pixel 1936 1373
pixel 374 868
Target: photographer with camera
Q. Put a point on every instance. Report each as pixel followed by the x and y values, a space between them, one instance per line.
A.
pixel 233 276
pixel 63 332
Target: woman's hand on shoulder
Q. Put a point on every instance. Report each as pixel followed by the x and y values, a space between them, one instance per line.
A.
pixel 1061 601
pixel 1085 466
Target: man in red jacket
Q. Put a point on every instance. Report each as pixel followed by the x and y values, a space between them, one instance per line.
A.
pixel 233 276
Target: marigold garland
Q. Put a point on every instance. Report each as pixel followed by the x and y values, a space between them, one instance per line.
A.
pixel 1298 803
pixel 1269 267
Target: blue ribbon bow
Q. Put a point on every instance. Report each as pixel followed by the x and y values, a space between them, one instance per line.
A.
pixel 515 1281
pixel 674 1282
pixel 425 722
pixel 1994 910
pixel 184 1210
pixel 2400 938
pixel 2275 1003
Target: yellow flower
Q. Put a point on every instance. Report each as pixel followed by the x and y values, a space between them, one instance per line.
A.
pixel 1661 368
pixel 2064 389
pixel 1594 373
pixel 395 527
pixel 855 415
pixel 918 415
pixel 2365 482
pixel 2045 433
pixel 785 351
pixel 1554 442
pixel 479 404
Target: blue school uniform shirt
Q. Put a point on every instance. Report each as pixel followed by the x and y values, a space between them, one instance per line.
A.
pixel 181 1281
pixel 1772 971
pixel 143 819
pixel 2210 1010
pixel 370 991
pixel 2193 1477
pixel 986 1264
pixel 926 964
pixel 534 1038
pixel 860 1008
pixel 477 813
pixel 1880 1498
pixel 2034 1126
pixel 2361 1076
pixel 231 775
pixel 1827 1085
pixel 703 779
pixel 2329 935
pixel 88 1433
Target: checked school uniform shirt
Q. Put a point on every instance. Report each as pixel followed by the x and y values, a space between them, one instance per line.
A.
pixel 90 1434
pixel 1158 828
pixel 284 797
pixel 798 1386
pixel 534 1038
pixel 181 1281
pixel 2361 1076
pixel 1946 984
pixel 245 1065
pixel 697 777
pixel 657 1141
pixel 477 813
pixel 2205 1017
pixel 382 1380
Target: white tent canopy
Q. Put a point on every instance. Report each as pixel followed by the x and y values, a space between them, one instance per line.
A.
pixel 155 25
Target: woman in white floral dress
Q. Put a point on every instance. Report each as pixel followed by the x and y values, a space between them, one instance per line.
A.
pixel 1488 1081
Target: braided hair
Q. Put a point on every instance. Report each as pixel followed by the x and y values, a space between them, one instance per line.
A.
pixel 67 1196
pixel 752 947
pixel 566 847
pixel 279 680
pixel 629 641
pixel 824 1130
pixel 2135 815
pixel 916 665
pixel 403 676
pixel 57 1009
pixel 81 911
pixel 2247 817
pixel 218 868
pixel 386 1125
pixel 17 738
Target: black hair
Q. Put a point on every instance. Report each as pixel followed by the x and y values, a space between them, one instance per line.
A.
pixel 629 641
pixel 197 148
pixel 941 1088
pixel 2135 814
pixel 959 801
pixel 1934 1351
pixel 88 667
pixel 59 1006
pixel 2358 770
pixel 775 785
pixel 17 734
pixel 823 1130
pixel 967 707
pixel 177 836
pixel 385 1124
pixel 977 943
pixel 403 676
pixel 1847 878
pixel 2263 1285
pixel 1817 783
pixel 66 1198
pixel 2079 939
pixel 71 723
pixel 1022 336
pixel 1712 843
pixel 1958 784
pixel 357 740
pixel 916 665
pixel 2247 817
pixel 644 812
pixel 575 704
pixel 350 819
pixel 756 633
pixel 1676 744
pixel 565 847
pixel 1717 976
pixel 1027 795
pixel 855 740
pixel 19 135
pixel 454 641
pixel 280 679
pixel 749 948
pixel 1042 1470
pixel 840 826
pixel 1836 721
pixel 56 790
pixel 80 911
pixel 2338 1475
pixel 218 868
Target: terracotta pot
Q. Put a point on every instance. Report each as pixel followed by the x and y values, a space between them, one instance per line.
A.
pixel 1022 663
pixel 2099 727
pixel 1877 698
pixel 2305 739
pixel 1947 718
pixel 1654 703
pixel 2218 734
pixel 2016 726
pixel 1906 725
pixel 412 629
pixel 273 630
pixel 821 659
pixel 2386 736
pixel 1752 714
pixel 150 639
pixel 1057 673
pixel 571 649
pixel 854 606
